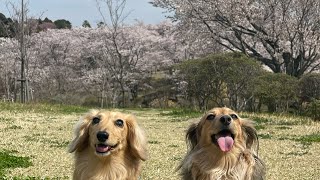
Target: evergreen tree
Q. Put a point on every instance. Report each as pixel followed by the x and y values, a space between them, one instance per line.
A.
pixel 63 24
pixel 86 24
pixel 47 20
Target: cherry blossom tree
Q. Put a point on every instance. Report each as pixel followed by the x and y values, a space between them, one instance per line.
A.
pixel 54 64
pixel 284 35
pixel 126 48
pixel 112 64
pixel 19 31
pixel 9 68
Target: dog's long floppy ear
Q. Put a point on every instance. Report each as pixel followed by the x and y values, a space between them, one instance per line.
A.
pixel 250 135
pixel 136 139
pixel 192 135
pixel 81 138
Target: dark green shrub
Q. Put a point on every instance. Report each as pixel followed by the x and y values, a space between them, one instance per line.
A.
pixel 313 110
pixel 276 91
pixel 220 79
pixel 309 87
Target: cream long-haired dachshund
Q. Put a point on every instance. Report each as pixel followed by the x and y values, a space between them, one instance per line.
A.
pixel 108 146
pixel 222 146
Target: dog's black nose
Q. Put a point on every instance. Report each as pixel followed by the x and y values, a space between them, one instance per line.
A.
pixel 102 136
pixel 225 120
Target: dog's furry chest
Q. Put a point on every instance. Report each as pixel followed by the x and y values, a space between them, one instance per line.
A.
pixel 103 172
pixel 87 167
pixel 240 168
pixel 238 172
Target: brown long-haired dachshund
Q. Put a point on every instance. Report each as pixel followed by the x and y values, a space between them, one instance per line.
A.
pixel 108 145
pixel 222 146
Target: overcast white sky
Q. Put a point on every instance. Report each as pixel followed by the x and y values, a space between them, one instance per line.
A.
pixel 76 11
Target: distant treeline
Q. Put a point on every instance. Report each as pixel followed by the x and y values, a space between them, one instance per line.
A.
pixel 9 26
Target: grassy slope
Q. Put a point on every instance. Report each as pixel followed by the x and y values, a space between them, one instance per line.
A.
pixel 290 146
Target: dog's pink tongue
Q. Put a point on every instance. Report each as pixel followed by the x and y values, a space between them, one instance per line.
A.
pixel 102 148
pixel 225 142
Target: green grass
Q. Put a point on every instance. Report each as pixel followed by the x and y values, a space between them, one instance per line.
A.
pixel 176 158
pixel 153 142
pixel 173 145
pixel 259 127
pixel 309 138
pixel 50 142
pixel 270 121
pixel 7 160
pixel 286 123
pixel 6 120
pixel 285 138
pixel 297 153
pixel 13 127
pixel 34 138
pixel 182 113
pixel 34 178
pixel 277 119
pixel 264 136
pixel 261 120
pixel 47 129
pixel 59 144
pixel 283 127
pixel 42 108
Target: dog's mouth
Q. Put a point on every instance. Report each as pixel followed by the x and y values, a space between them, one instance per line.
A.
pixel 224 139
pixel 104 148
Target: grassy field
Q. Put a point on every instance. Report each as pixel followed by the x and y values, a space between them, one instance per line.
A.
pixel 34 141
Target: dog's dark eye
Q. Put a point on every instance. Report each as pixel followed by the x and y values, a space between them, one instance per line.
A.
pixel 233 116
pixel 95 120
pixel 119 123
pixel 211 117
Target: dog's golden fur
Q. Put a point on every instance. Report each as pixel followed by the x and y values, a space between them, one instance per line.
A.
pixel 207 160
pixel 125 147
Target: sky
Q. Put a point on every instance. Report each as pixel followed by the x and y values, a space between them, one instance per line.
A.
pixel 76 11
